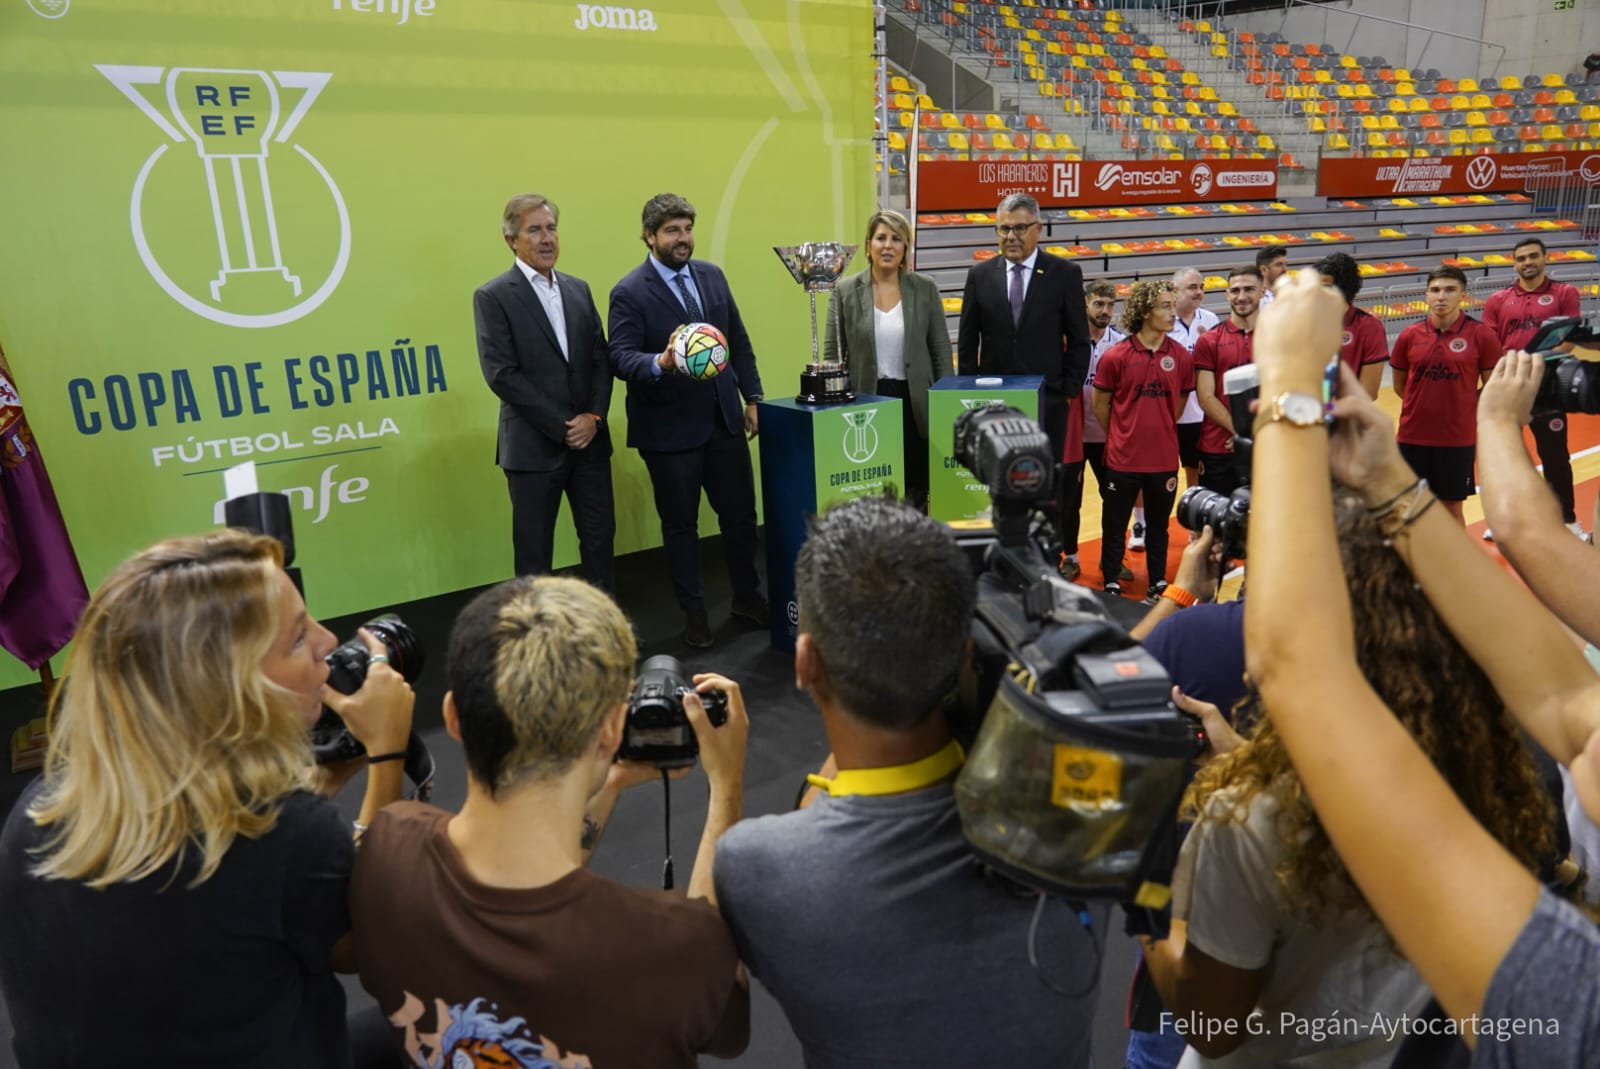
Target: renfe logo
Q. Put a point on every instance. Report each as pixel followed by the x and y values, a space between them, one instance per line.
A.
pixel 1481 172
pixel 595 17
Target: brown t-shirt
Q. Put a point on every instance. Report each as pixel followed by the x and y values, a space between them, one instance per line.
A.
pixel 581 972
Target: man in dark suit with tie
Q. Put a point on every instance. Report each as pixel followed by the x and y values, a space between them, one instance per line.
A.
pixel 1023 313
pixel 544 355
pixel 690 433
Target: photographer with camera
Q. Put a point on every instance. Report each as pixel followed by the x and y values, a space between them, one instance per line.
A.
pixel 1216 353
pixel 481 930
pixel 1513 966
pixel 1140 388
pixel 178 892
pixel 864 914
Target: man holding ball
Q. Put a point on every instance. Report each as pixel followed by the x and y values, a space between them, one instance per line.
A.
pixel 690 432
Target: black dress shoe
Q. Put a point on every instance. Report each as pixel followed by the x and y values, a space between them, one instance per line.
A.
pixel 752 610
pixel 696 630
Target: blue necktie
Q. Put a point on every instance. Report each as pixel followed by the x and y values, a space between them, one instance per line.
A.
pixel 696 315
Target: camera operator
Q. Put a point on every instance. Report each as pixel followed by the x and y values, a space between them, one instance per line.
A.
pixel 176 892
pixel 483 928
pixel 864 914
pixel 1216 353
pixel 1494 947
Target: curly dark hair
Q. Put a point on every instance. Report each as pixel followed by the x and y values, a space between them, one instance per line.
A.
pixel 1436 691
pixel 1142 299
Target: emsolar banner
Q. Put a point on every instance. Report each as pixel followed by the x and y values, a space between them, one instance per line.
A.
pixel 1503 172
pixel 252 232
pixel 944 186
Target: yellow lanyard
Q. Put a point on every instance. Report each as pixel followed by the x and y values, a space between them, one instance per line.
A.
pixel 895 779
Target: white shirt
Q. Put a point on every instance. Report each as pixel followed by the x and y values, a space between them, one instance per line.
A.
pixel 1267 296
pixel 549 294
pixel 1027 273
pixel 1092 431
pixel 889 341
pixel 1186 334
pixel 1337 967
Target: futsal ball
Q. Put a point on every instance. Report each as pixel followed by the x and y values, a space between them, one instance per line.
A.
pixel 700 350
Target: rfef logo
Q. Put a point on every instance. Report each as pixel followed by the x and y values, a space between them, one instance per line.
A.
pixel 50 9
pixel 860 437
pixel 1481 172
pixel 276 220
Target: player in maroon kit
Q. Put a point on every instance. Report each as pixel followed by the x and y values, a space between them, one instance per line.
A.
pixel 1365 346
pixel 1514 314
pixel 1139 388
pixel 1438 365
pixel 1217 352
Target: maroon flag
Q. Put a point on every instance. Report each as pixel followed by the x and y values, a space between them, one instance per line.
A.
pixel 41 586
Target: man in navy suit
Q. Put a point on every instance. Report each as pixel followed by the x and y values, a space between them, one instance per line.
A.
pixel 690 433
pixel 543 353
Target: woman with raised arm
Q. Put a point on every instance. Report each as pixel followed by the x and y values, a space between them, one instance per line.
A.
pixel 1516 969
pixel 173 890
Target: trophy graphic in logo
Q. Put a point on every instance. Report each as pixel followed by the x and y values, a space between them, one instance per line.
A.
pixel 817 265
pixel 234 118
pixel 860 436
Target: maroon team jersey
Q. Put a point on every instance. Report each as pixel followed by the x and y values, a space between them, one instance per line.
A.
pixel 1146 390
pixel 1364 340
pixel 1220 350
pixel 1514 314
pixel 1443 366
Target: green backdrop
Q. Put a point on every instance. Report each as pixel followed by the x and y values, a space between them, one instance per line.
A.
pixel 242 230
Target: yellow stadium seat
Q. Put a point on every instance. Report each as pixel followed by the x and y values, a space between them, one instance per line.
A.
pixel 959 142
pixel 1476 118
pixel 897 141
pixel 1482 100
pixel 1554 81
pixel 1348 61
pixel 1405 89
pixel 993 122
pixel 1482 135
pixel 1397 104
pixel 1460 102
pixel 1467 85
pixel 899 84
pixel 1157 52
pixel 1458 137
pixel 925 102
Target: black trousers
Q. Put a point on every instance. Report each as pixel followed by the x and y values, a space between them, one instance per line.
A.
pixel 585 477
pixel 1120 490
pixel 1094 454
pixel 1553 454
pixel 916 466
pixel 721 467
pixel 1218 472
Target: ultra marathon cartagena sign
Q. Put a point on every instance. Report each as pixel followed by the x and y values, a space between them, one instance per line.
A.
pixel 1502 172
pixel 964 185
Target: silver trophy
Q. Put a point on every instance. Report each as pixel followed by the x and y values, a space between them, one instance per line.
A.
pixel 817 265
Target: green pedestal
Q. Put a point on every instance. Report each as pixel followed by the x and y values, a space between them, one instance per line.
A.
pixel 953 493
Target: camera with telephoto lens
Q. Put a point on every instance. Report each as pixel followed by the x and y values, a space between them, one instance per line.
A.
pixel 331 742
pixel 1076 756
pixel 1569 384
pixel 658 731
pixel 1228 514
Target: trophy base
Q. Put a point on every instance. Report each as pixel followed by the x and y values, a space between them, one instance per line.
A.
pixel 830 387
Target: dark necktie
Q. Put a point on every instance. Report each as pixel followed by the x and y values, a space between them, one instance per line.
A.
pixel 1016 294
pixel 692 306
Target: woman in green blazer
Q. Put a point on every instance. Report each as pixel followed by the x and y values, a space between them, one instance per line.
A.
pixel 889 331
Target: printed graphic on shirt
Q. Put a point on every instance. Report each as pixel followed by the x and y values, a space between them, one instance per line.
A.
pixel 474 1037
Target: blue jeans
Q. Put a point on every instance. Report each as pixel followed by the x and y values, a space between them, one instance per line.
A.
pixel 1154 1050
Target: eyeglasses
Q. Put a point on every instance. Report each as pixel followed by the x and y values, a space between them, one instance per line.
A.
pixel 1016 231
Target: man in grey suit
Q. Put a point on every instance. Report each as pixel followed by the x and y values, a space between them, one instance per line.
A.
pixel 544 355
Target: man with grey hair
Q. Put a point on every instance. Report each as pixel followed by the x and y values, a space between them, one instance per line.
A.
pixel 544 355
pixel 923 956
pixel 1023 313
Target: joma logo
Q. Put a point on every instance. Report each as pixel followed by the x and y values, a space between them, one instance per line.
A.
pixel 595 17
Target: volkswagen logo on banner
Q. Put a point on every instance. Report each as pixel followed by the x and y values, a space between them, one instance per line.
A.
pixel 1481 172
pixel 208 224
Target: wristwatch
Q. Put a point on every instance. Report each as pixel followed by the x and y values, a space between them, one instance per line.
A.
pixel 752 398
pixel 1295 409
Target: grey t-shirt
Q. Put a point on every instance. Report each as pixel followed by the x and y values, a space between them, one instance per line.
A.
pixel 887 945
pixel 1543 1004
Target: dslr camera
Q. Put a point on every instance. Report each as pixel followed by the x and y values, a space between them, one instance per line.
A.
pixel 1569 384
pixel 347 670
pixel 1228 515
pixel 658 730
pixel 1077 758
